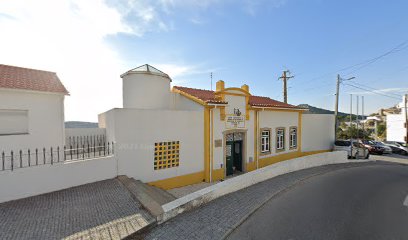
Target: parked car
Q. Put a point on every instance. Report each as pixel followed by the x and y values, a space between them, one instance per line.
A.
pixel 373 147
pixel 397 148
pixel 354 148
pixel 387 149
pixel 402 144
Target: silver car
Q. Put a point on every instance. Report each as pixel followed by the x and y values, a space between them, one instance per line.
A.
pixel 354 148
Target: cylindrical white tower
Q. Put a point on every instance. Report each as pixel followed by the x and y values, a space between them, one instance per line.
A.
pixel 146 87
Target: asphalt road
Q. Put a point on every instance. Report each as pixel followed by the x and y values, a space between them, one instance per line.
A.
pixel 357 203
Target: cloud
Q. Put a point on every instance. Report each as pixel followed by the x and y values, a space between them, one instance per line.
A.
pixel 67 37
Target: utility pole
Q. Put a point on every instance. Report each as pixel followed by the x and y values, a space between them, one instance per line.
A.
pixel 336 106
pixel 362 113
pixel 357 117
pixel 211 80
pixel 406 118
pixel 285 79
pixel 351 116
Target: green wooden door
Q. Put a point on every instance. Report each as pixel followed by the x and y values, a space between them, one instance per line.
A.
pixel 238 155
pixel 229 157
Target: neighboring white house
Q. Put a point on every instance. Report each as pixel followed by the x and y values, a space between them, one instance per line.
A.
pixel 178 136
pixel 397 125
pixel 31 109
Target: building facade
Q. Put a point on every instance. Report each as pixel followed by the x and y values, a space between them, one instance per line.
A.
pixel 397 124
pixel 171 137
pixel 31 109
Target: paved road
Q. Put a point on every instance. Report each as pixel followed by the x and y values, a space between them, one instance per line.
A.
pixel 355 203
pixel 218 217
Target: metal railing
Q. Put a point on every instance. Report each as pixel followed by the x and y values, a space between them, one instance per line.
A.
pixel 22 159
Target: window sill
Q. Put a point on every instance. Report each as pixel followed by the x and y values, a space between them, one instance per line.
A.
pixel 265 153
pixel 13 134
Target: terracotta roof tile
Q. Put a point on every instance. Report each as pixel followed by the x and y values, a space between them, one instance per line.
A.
pixel 256 101
pixel 204 95
pixel 30 79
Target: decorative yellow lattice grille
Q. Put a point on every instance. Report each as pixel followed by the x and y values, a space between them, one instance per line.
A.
pixel 166 155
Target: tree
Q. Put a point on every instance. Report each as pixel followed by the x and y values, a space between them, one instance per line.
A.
pixel 381 131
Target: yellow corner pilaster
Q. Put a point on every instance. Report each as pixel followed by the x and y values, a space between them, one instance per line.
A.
pixel 300 130
pixel 207 144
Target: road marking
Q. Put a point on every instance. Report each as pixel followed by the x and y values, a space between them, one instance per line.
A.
pixel 406 202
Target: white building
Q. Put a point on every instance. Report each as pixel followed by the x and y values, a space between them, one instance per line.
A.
pixel 31 109
pixel 397 125
pixel 178 136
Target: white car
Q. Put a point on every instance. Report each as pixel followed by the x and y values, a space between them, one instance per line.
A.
pixel 354 149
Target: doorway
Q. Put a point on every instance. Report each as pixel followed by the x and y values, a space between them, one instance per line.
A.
pixel 234 153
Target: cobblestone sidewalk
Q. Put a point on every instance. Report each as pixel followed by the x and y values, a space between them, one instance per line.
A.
pixel 215 219
pixel 101 210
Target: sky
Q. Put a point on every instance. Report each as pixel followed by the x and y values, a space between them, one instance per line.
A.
pixel 90 43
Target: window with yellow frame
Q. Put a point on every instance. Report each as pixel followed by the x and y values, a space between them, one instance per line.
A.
pixel 166 155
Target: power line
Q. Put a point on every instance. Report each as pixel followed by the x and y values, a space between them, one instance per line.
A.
pixel 366 63
pixel 372 91
pixel 374 88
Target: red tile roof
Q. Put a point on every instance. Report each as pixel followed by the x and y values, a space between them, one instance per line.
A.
pixel 256 101
pixel 204 95
pixel 12 77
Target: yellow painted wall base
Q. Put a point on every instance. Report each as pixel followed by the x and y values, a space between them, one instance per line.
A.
pixel 263 162
pixel 218 174
pixel 283 157
pixel 179 181
pixel 251 166
pixel 314 152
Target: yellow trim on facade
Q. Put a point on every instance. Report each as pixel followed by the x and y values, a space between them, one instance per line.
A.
pixel 225 91
pixel 218 174
pixel 314 152
pixel 286 156
pixel 179 181
pixel 275 109
pixel 251 166
pixel 256 137
pixel 197 100
pixel 263 162
pixel 207 144
pixel 299 133
pixel 247 107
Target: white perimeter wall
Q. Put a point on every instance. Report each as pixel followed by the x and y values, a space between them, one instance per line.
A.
pixel 31 181
pixel 395 127
pixel 317 132
pixel 135 131
pixel 45 119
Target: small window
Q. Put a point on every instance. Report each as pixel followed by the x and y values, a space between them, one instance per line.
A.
pixel 13 122
pixel 280 139
pixel 293 137
pixel 166 155
pixel 265 141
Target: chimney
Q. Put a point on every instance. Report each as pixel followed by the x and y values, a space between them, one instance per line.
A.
pixel 220 85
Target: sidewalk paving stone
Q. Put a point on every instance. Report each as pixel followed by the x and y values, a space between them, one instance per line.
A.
pixel 101 210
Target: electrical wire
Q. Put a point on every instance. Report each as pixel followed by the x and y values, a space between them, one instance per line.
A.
pixel 374 88
pixel 372 91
